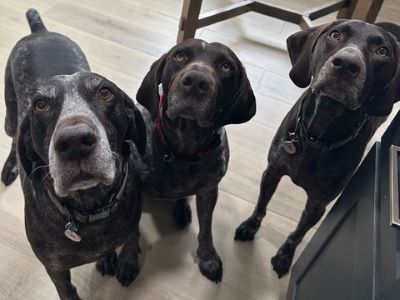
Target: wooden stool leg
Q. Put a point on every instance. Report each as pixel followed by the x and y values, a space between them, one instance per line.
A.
pixel 188 21
pixel 366 10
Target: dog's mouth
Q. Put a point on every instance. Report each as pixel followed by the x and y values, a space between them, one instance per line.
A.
pixel 200 109
pixel 342 89
pixel 81 176
pixel 84 181
pixel 329 92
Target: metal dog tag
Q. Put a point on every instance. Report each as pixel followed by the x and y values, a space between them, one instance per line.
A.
pixel 71 232
pixel 72 235
pixel 289 147
pixel 292 147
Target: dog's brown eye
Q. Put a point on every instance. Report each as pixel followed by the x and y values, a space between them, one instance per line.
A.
pixel 41 106
pixel 382 51
pixel 335 34
pixel 225 67
pixel 180 56
pixel 104 94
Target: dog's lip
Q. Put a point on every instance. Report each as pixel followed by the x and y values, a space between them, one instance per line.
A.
pixel 83 176
pixel 184 115
pixel 338 100
pixel 82 181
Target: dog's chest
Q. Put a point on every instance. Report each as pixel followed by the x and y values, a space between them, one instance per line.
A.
pixel 180 178
pixel 322 173
pixel 54 249
pixel 45 227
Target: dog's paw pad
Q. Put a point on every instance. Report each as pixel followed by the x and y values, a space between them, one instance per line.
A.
pixel 9 173
pixel 246 231
pixel 108 265
pixel 182 215
pixel 281 262
pixel 212 268
pixel 127 272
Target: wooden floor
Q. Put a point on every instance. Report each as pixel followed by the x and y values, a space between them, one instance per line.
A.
pixel 121 39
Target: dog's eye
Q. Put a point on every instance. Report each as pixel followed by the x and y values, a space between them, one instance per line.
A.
pixel 180 56
pixel 382 51
pixel 41 106
pixel 104 94
pixel 225 67
pixel 335 34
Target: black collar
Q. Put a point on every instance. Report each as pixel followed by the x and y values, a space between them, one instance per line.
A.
pixel 300 138
pixel 88 216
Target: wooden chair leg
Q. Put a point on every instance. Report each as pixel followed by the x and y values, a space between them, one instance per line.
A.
pixel 366 10
pixel 189 18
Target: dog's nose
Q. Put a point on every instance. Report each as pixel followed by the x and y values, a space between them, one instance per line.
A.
pixel 347 62
pixel 75 141
pixel 195 82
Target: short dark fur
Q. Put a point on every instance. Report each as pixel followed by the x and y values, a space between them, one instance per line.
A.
pixel 323 173
pixel 206 87
pixel 32 67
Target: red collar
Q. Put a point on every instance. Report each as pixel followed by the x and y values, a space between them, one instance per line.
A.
pixel 199 155
pixel 160 129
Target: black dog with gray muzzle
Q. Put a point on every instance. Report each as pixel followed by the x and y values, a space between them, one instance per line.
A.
pixel 71 130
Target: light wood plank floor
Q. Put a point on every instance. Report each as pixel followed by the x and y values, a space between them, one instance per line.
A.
pixel 121 39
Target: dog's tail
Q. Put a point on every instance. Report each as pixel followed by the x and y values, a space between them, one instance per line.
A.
pixel 34 20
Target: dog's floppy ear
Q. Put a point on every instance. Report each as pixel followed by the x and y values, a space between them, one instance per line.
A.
pixel 300 46
pixel 27 155
pixel 243 105
pixel 386 94
pixel 147 94
pixel 394 30
pixel 136 131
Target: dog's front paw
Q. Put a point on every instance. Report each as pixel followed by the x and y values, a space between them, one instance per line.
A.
pixel 211 268
pixel 108 265
pixel 182 214
pixel 9 172
pixel 247 230
pixel 282 260
pixel 127 272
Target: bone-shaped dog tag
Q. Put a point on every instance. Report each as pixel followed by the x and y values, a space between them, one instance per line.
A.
pixel 71 232
pixel 72 235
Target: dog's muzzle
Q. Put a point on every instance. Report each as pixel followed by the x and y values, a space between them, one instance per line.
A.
pixel 342 77
pixel 192 95
pixel 80 155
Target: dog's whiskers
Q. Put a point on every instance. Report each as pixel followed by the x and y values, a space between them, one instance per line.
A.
pixel 44 178
pixel 116 157
pixel 38 168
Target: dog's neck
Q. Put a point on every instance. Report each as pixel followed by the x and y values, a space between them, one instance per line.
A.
pixel 186 137
pixel 326 119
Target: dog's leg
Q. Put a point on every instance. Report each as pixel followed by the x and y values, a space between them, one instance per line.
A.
pixel 210 263
pixel 10 170
pixel 270 180
pixel 128 260
pixel 182 213
pixel 62 281
pixel 108 264
pixel 310 216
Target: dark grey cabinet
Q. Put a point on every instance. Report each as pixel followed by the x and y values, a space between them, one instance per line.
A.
pixel 355 253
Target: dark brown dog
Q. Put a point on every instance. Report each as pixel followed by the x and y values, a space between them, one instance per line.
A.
pixel 353 68
pixel 203 87
pixel 82 197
